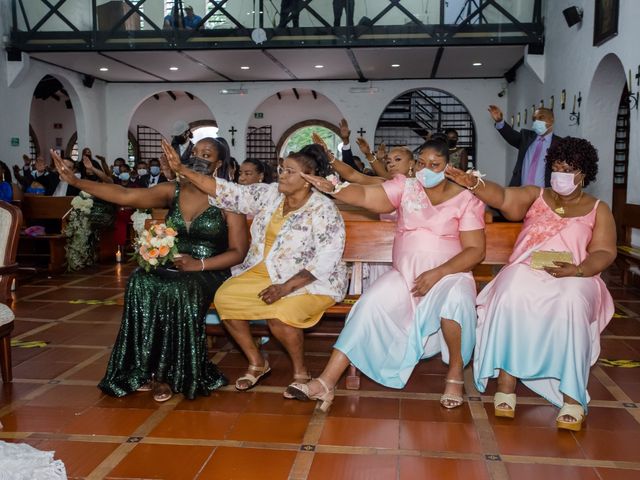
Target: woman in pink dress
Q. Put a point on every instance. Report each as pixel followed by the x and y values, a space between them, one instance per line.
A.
pixel 543 325
pixel 426 303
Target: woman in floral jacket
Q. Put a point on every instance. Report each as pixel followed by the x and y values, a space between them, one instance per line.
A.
pixel 293 271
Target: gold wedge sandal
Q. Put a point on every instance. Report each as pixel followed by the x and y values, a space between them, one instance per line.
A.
pixel 508 399
pixel 574 411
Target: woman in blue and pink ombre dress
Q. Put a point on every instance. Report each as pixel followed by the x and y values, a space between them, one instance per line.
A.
pixel 543 325
pixel 426 303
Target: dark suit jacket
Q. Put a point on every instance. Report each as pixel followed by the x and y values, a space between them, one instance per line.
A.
pixel 522 140
pixel 347 157
pixel 187 153
pixel 53 184
pixel 143 181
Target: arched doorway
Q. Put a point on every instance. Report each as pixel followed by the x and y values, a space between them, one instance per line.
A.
pixel 277 117
pixel 600 127
pixel 299 135
pixel 410 117
pixel 52 122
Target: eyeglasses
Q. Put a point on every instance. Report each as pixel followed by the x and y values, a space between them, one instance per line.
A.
pixel 286 170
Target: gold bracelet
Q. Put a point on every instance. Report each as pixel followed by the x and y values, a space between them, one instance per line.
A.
pixel 332 158
pixel 374 158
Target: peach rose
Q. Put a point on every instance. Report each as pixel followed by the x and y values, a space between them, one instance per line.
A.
pixel 170 232
pixel 153 253
pixel 164 251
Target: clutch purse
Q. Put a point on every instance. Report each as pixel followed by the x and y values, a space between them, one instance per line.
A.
pixel 541 259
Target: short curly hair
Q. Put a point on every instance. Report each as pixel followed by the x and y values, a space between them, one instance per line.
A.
pixel 577 153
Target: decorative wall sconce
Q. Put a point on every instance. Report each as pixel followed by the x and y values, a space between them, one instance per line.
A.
pixel 552 102
pixel 518 118
pixel 575 113
pixel 633 97
pixel 563 99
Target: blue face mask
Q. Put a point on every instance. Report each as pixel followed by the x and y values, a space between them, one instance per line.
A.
pixel 540 127
pixel 116 171
pixel 154 170
pixel 428 178
pixel 124 176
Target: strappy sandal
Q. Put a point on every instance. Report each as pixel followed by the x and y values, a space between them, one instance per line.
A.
pixel 306 378
pixel 145 387
pixel 576 412
pixel 300 391
pixel 162 392
pixel 451 400
pixel 253 379
pixel 508 399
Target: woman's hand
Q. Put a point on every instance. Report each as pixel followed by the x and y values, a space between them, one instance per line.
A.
pixel 318 140
pixel 63 171
pixel 463 179
pixel 319 183
pixel 172 157
pixel 364 147
pixel 425 281
pixel 381 152
pixel 86 161
pixel 274 293
pixel 563 269
pixel 186 263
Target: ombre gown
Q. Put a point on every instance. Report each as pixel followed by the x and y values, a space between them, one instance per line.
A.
pixel 389 330
pixel 541 329
pixel 162 330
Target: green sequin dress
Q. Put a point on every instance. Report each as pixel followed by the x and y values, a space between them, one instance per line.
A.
pixel 162 331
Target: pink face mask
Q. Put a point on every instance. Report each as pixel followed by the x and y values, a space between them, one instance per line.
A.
pixel 563 183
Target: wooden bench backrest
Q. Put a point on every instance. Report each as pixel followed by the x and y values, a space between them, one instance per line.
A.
pixel 501 237
pixel 630 220
pixel 38 207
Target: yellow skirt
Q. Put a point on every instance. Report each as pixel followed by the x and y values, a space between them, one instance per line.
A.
pixel 237 299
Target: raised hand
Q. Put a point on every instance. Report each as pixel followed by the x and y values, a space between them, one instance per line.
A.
pixel 345 133
pixel 319 183
pixel 64 172
pixel 463 179
pixel 172 157
pixel 381 151
pixel 364 147
pixel 496 113
pixel 318 140
pixel 86 161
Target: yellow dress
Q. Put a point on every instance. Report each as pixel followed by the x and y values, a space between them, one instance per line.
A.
pixel 237 298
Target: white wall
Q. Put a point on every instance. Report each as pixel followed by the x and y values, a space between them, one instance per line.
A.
pixel 571 62
pixel 44 113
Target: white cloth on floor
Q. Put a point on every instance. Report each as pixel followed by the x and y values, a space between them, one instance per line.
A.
pixel 20 461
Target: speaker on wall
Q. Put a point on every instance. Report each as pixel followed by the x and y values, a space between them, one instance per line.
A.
pixel 572 15
pixel 14 55
pixel 88 80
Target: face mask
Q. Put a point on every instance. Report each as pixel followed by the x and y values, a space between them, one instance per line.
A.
pixel 428 178
pixel 116 171
pixel 452 142
pixel 539 127
pixel 77 175
pixel 124 176
pixel 142 171
pixel 563 183
pixel 155 170
pixel 199 165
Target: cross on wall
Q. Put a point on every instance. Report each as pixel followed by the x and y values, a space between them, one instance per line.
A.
pixel 233 131
pixel 361 132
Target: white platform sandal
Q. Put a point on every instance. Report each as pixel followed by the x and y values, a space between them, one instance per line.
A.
pixel 576 412
pixel 508 399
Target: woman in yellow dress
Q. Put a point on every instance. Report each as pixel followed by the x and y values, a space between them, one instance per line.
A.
pixel 293 271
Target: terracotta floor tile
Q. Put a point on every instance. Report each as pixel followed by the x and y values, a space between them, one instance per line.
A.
pixel 20 355
pixel 353 467
pixel 37 419
pixel 23 326
pixel 107 421
pixel 275 403
pixel 623 375
pixel 72 293
pixel 10 392
pixel 635 345
pixel 430 383
pixel 368 385
pixel 59 333
pixel 48 310
pixel 63 354
pixel 133 400
pixel 615 349
pixel 230 402
pixel 624 326
pixel 438 436
pixel 633 306
pixel 41 370
pixel 432 411
pixel 79 458
pixel 103 313
pixel 94 281
pixel 248 464
pixel 618 474
pixel 442 469
pixel 624 293
pixel 94 371
pixel 536 471
pixel 73 396
pixel 255 427
pixel 360 432
pixel 543 416
pixel 540 442
pixel 365 407
pixel 613 419
pixel 431 366
pixel 631 389
pixel 597 390
pixel 174 462
pixel 193 424
pixel 609 445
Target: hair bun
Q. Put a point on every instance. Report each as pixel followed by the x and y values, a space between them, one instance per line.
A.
pixel 318 155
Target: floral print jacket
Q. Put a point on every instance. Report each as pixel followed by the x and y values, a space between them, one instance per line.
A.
pixel 311 237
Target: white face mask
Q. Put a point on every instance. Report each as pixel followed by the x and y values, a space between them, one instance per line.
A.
pixel 142 171
pixel 77 175
pixel 563 183
pixel 540 127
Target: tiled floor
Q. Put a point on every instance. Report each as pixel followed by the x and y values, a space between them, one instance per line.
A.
pixel 375 433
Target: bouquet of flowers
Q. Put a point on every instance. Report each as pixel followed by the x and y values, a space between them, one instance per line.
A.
pixel 156 246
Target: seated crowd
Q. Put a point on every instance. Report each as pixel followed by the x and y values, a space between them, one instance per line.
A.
pixel 539 320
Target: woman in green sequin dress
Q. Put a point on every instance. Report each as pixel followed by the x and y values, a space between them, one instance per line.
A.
pixel 162 333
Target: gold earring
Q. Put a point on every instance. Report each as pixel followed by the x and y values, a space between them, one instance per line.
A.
pixel 306 184
pixel 411 171
pixel 582 183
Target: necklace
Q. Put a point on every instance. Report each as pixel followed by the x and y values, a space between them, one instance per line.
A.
pixel 559 208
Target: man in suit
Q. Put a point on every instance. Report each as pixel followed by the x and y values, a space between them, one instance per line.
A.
pixel 181 140
pixel 532 146
pixel 154 177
